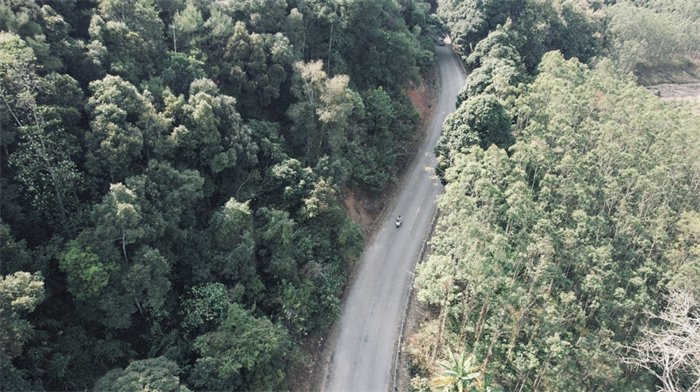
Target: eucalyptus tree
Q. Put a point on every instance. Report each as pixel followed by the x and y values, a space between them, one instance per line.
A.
pixel 547 255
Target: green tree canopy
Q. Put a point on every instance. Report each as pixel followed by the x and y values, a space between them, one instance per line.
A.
pixel 157 374
pixel 545 258
pixel 246 349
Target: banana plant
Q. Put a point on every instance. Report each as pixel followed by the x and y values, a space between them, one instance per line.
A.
pixel 461 374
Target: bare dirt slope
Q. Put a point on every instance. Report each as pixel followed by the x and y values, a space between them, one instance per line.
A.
pixel 679 83
pixel 671 91
pixel 686 92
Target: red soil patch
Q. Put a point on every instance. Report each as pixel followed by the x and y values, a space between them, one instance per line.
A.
pixel 358 212
pixel 423 98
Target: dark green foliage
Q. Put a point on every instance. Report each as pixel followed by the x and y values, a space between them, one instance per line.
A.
pixel 127 38
pixel 180 71
pixel 471 20
pixel 567 26
pixel 205 307
pixel 378 48
pixel 175 171
pixel 388 123
pixel 245 350
pixel 480 120
pixel 536 26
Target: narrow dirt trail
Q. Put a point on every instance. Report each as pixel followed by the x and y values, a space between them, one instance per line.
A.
pixel 362 357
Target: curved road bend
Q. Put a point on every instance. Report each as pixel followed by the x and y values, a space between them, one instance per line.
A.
pixel 369 325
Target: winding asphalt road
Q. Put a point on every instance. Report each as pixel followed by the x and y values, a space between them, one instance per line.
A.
pixel 369 326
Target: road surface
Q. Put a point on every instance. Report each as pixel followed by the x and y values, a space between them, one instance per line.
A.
pixel 369 325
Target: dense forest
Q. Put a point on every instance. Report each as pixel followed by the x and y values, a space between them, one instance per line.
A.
pixel 172 175
pixel 172 181
pixel 567 253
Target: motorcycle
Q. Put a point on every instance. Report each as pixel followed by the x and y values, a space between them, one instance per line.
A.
pixel 398 221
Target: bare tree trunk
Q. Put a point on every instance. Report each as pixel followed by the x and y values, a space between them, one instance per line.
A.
pixel 126 259
pixel 138 305
pixel 441 328
pixel 174 38
pixel 468 307
pixel 536 384
pixel 673 348
pixel 494 337
pixel 482 316
pixel 330 40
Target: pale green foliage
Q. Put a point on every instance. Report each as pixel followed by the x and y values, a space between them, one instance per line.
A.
pixel 231 222
pixel 115 139
pixel 18 79
pixel 187 21
pixel 471 20
pixel 544 259
pixel 325 108
pixel 685 254
pixel 19 294
pixel 498 68
pixel 538 26
pixel 457 374
pixel 119 216
pixel 651 37
pixel 321 200
pixel 39 26
pixel 157 374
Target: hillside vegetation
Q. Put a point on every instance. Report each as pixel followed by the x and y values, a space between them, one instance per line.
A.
pixel 567 253
pixel 171 176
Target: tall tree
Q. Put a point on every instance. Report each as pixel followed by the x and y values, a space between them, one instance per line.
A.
pixel 159 374
pixel 42 149
pixel 19 294
pixel 127 38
